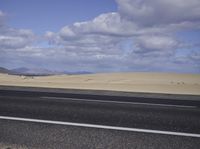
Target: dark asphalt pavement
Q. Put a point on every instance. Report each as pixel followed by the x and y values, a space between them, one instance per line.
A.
pixel 177 115
pixel 26 135
pixel 156 117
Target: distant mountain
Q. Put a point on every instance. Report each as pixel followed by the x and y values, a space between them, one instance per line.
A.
pixel 20 70
pixel 77 72
pixel 32 71
pixel 38 71
pixel 4 70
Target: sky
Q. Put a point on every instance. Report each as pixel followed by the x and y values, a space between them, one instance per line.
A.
pixel 101 35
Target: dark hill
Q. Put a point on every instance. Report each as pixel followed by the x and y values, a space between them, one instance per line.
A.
pixel 4 70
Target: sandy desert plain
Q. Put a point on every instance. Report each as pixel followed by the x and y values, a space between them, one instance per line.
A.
pixel 131 82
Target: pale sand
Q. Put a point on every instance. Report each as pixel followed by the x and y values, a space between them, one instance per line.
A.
pixel 131 82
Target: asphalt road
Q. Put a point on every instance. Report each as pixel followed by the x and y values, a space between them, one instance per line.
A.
pixel 158 113
pixel 27 135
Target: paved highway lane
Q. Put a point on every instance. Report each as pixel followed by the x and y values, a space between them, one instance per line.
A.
pixel 104 110
pixel 123 115
pixel 28 135
pixel 151 118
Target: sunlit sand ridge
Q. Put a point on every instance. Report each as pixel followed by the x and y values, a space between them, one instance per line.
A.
pixel 131 82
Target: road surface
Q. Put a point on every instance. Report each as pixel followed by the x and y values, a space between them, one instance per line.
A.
pixel 46 119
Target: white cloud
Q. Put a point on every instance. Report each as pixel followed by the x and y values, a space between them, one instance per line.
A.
pixel 109 24
pixel 151 25
pixel 67 33
pixel 150 43
pixel 156 12
pixel 11 38
pixel 136 18
pixel 14 42
pixel 100 44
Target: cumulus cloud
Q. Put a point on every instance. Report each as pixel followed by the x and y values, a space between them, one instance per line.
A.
pixel 11 38
pixel 140 36
pixel 156 12
pixel 14 43
pixel 104 25
pixel 108 24
pixel 148 27
pixel 139 17
pixel 156 43
pixel 19 40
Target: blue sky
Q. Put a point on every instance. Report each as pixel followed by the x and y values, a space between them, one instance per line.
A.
pixel 101 35
pixel 53 14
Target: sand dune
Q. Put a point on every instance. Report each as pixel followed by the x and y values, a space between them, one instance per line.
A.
pixel 131 82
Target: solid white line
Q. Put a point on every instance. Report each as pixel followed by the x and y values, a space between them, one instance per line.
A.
pixel 120 102
pixel 101 126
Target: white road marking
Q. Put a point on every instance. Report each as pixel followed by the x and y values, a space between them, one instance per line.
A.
pixel 101 126
pixel 120 102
